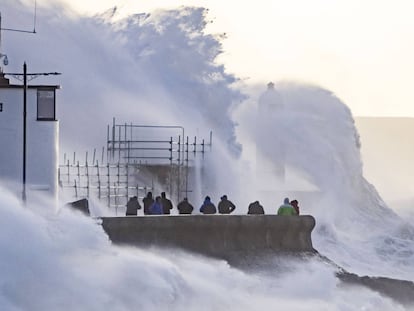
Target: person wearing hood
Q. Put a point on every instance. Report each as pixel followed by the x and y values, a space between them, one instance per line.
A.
pixel 184 207
pixel 208 207
pixel 255 208
pixel 148 201
pixel 295 205
pixel 132 206
pixel 166 203
pixel 156 207
pixel 226 206
pixel 286 209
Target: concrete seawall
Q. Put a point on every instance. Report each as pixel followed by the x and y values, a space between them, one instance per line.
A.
pixel 215 235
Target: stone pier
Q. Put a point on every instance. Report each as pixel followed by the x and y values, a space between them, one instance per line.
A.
pixel 214 235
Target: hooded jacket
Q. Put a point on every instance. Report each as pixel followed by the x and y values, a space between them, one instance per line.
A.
pixel 286 209
pixel 156 208
pixel 226 206
pixel 208 207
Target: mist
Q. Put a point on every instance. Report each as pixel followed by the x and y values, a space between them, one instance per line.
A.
pixel 69 263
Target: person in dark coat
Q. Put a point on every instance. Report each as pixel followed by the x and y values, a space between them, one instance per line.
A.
pixel 148 201
pixel 226 206
pixel 295 205
pixel 132 206
pixel 255 209
pixel 184 207
pixel 208 207
pixel 156 207
pixel 166 203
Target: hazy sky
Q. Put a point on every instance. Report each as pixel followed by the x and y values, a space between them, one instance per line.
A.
pixel 360 50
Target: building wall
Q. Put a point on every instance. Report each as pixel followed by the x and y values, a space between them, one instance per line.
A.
pixel 11 135
pixel 41 145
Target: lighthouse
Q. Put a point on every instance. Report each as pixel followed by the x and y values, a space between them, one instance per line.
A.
pixel 29 138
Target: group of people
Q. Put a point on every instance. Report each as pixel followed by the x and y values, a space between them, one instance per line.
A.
pixel 161 205
pixel 225 206
pixel 289 207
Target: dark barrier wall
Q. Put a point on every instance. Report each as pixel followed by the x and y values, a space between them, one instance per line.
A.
pixel 215 235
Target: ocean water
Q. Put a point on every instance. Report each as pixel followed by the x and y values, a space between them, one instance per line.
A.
pixel 160 68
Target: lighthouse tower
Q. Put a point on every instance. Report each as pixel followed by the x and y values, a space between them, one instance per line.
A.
pixel 28 138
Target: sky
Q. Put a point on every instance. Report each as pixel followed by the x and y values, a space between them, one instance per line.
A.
pixel 360 50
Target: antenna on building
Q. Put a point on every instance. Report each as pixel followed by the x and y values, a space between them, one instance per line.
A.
pixel 4 56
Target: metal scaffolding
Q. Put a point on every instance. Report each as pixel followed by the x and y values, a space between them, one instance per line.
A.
pixel 138 157
pixel 165 147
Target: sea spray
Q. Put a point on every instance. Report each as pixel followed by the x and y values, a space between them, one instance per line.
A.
pixel 64 261
pixel 354 227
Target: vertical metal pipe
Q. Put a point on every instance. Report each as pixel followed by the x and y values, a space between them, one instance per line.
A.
pixel 99 179
pixel 108 147
pixel 171 150
pixel 87 178
pixel 109 186
pixel 119 142
pixel 127 182
pixel 171 165
pixel 113 138
pixel 186 171
pixel 124 144
pixel 24 129
pixel 68 173
pixel 179 170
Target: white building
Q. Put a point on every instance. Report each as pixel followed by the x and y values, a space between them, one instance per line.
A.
pixel 39 170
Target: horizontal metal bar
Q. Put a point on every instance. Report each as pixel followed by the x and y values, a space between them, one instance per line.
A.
pixel 75 166
pixel 140 148
pixel 137 141
pixel 130 157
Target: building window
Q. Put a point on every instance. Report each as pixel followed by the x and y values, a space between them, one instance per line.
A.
pixel 46 105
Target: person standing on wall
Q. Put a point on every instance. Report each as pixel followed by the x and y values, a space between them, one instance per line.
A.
pixel 286 209
pixel 148 201
pixel 226 206
pixel 255 208
pixel 132 206
pixel 208 207
pixel 156 207
pixel 295 205
pixel 184 207
pixel 166 204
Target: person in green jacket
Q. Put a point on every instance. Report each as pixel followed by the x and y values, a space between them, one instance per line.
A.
pixel 286 208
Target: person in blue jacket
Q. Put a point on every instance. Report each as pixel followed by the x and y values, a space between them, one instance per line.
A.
pixel 156 207
pixel 208 207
